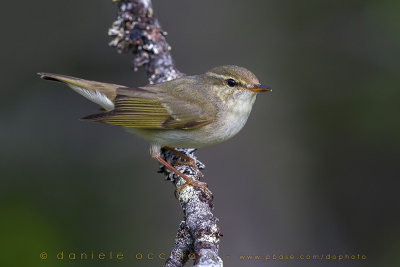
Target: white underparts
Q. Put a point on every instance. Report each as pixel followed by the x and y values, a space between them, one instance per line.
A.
pixel 94 96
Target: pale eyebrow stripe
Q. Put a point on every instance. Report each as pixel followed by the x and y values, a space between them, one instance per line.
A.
pixel 239 81
pixel 218 75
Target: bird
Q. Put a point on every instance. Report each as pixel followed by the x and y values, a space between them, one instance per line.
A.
pixel 188 112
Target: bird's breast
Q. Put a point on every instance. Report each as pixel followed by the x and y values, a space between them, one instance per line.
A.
pixel 230 120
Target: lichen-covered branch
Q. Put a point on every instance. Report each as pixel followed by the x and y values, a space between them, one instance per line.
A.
pixel 137 31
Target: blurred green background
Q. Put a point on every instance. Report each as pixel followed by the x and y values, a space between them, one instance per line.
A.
pixel 315 170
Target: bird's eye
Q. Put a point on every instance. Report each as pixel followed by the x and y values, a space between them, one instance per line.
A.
pixel 231 82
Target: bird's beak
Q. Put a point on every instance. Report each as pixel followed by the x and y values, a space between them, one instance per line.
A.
pixel 259 88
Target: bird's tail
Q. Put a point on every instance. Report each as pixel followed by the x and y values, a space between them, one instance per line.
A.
pixel 100 93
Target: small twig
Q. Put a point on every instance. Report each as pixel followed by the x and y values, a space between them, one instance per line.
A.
pixel 136 30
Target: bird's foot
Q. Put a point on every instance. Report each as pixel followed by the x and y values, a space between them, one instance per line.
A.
pixel 192 182
pixel 185 160
pixel 188 180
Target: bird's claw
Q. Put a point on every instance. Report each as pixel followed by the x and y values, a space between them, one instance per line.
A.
pixel 202 186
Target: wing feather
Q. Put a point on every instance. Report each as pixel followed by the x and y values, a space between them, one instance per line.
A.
pixel 153 109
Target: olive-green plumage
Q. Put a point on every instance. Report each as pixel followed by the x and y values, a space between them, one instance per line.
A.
pixel 191 111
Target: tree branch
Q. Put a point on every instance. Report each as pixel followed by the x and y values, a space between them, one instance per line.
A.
pixel 136 30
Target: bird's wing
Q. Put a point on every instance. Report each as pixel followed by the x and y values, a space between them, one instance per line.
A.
pixel 153 108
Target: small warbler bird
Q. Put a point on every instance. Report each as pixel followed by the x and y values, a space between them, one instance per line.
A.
pixel 188 112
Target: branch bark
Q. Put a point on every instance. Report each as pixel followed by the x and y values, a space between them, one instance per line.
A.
pixel 136 30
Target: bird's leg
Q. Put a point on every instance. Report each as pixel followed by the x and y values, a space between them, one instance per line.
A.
pixel 187 160
pixel 155 153
pixel 189 181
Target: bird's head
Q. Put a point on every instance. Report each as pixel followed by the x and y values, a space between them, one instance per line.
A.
pixel 232 80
